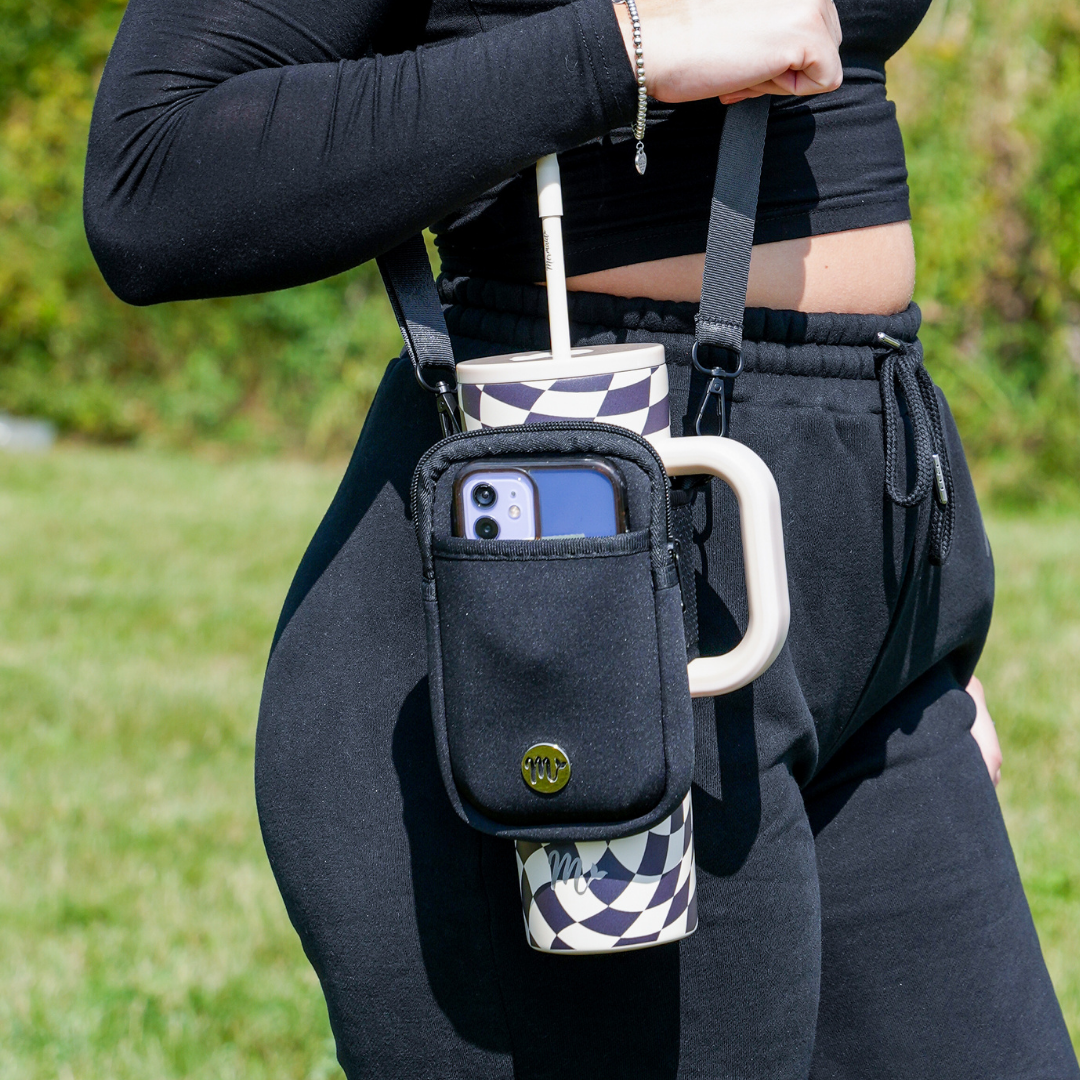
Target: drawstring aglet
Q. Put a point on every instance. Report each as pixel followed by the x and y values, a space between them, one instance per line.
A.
pixel 941 493
pixel 891 342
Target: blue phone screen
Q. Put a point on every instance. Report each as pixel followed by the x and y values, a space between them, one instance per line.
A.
pixel 575 502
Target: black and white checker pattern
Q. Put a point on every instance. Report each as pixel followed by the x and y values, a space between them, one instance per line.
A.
pixel 602 896
pixel 637 400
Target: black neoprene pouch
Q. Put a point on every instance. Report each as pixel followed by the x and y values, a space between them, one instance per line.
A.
pixel 575 643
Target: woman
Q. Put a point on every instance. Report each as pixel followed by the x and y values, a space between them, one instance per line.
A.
pixel 860 910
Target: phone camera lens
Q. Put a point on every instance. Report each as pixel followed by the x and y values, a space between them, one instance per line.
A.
pixel 486 528
pixel 484 495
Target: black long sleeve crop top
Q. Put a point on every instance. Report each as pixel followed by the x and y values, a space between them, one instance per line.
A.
pixel 244 145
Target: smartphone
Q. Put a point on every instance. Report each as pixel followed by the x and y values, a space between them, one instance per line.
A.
pixel 576 495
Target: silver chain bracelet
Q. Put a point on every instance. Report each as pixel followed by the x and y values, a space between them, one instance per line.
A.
pixel 640 160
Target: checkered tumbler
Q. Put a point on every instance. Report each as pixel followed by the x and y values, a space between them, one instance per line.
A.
pixel 638 891
pixel 636 399
pixel 611 896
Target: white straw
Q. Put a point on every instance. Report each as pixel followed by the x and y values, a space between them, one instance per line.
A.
pixel 549 193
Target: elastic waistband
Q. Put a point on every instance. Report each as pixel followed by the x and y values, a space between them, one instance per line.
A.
pixel 514 317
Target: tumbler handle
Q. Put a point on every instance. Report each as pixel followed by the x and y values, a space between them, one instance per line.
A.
pixel 763 558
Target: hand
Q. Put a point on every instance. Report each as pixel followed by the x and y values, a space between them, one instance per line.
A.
pixel 984 732
pixel 732 49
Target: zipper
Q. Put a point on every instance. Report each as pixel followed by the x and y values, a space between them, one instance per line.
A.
pixel 547 425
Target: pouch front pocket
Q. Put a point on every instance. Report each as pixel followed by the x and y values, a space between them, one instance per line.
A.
pixel 556 666
pixel 552 642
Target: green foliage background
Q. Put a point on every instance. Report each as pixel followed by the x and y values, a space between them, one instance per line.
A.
pixel 988 94
pixel 293 369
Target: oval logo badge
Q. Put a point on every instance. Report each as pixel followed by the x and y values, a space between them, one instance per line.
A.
pixel 546 768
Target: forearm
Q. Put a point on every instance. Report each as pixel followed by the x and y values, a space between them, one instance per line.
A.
pixel 203 180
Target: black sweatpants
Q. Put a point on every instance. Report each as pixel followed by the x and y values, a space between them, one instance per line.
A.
pixel 861 915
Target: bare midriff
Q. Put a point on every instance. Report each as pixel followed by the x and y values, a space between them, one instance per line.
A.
pixel 863 271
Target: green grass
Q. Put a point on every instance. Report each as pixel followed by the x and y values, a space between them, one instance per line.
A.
pixel 1032 680
pixel 141 934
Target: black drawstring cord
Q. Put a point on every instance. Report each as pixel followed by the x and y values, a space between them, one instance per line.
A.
pixel 902 371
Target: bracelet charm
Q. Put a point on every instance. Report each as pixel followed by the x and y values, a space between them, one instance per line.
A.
pixel 640 160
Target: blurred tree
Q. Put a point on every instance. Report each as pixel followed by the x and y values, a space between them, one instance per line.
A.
pixel 987 93
pixel 988 96
pixel 289 369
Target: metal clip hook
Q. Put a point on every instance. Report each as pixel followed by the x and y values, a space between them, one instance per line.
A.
pixel 445 401
pixel 717 388
pixel 446 404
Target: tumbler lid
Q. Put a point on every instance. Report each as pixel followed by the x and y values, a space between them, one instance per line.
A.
pixel 540 366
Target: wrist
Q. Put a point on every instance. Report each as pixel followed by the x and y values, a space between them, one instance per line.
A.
pixel 626 28
pixel 635 49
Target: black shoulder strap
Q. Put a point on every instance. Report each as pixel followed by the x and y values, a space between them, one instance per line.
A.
pixel 731 225
pixel 406 273
pixel 415 300
pixel 719 323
